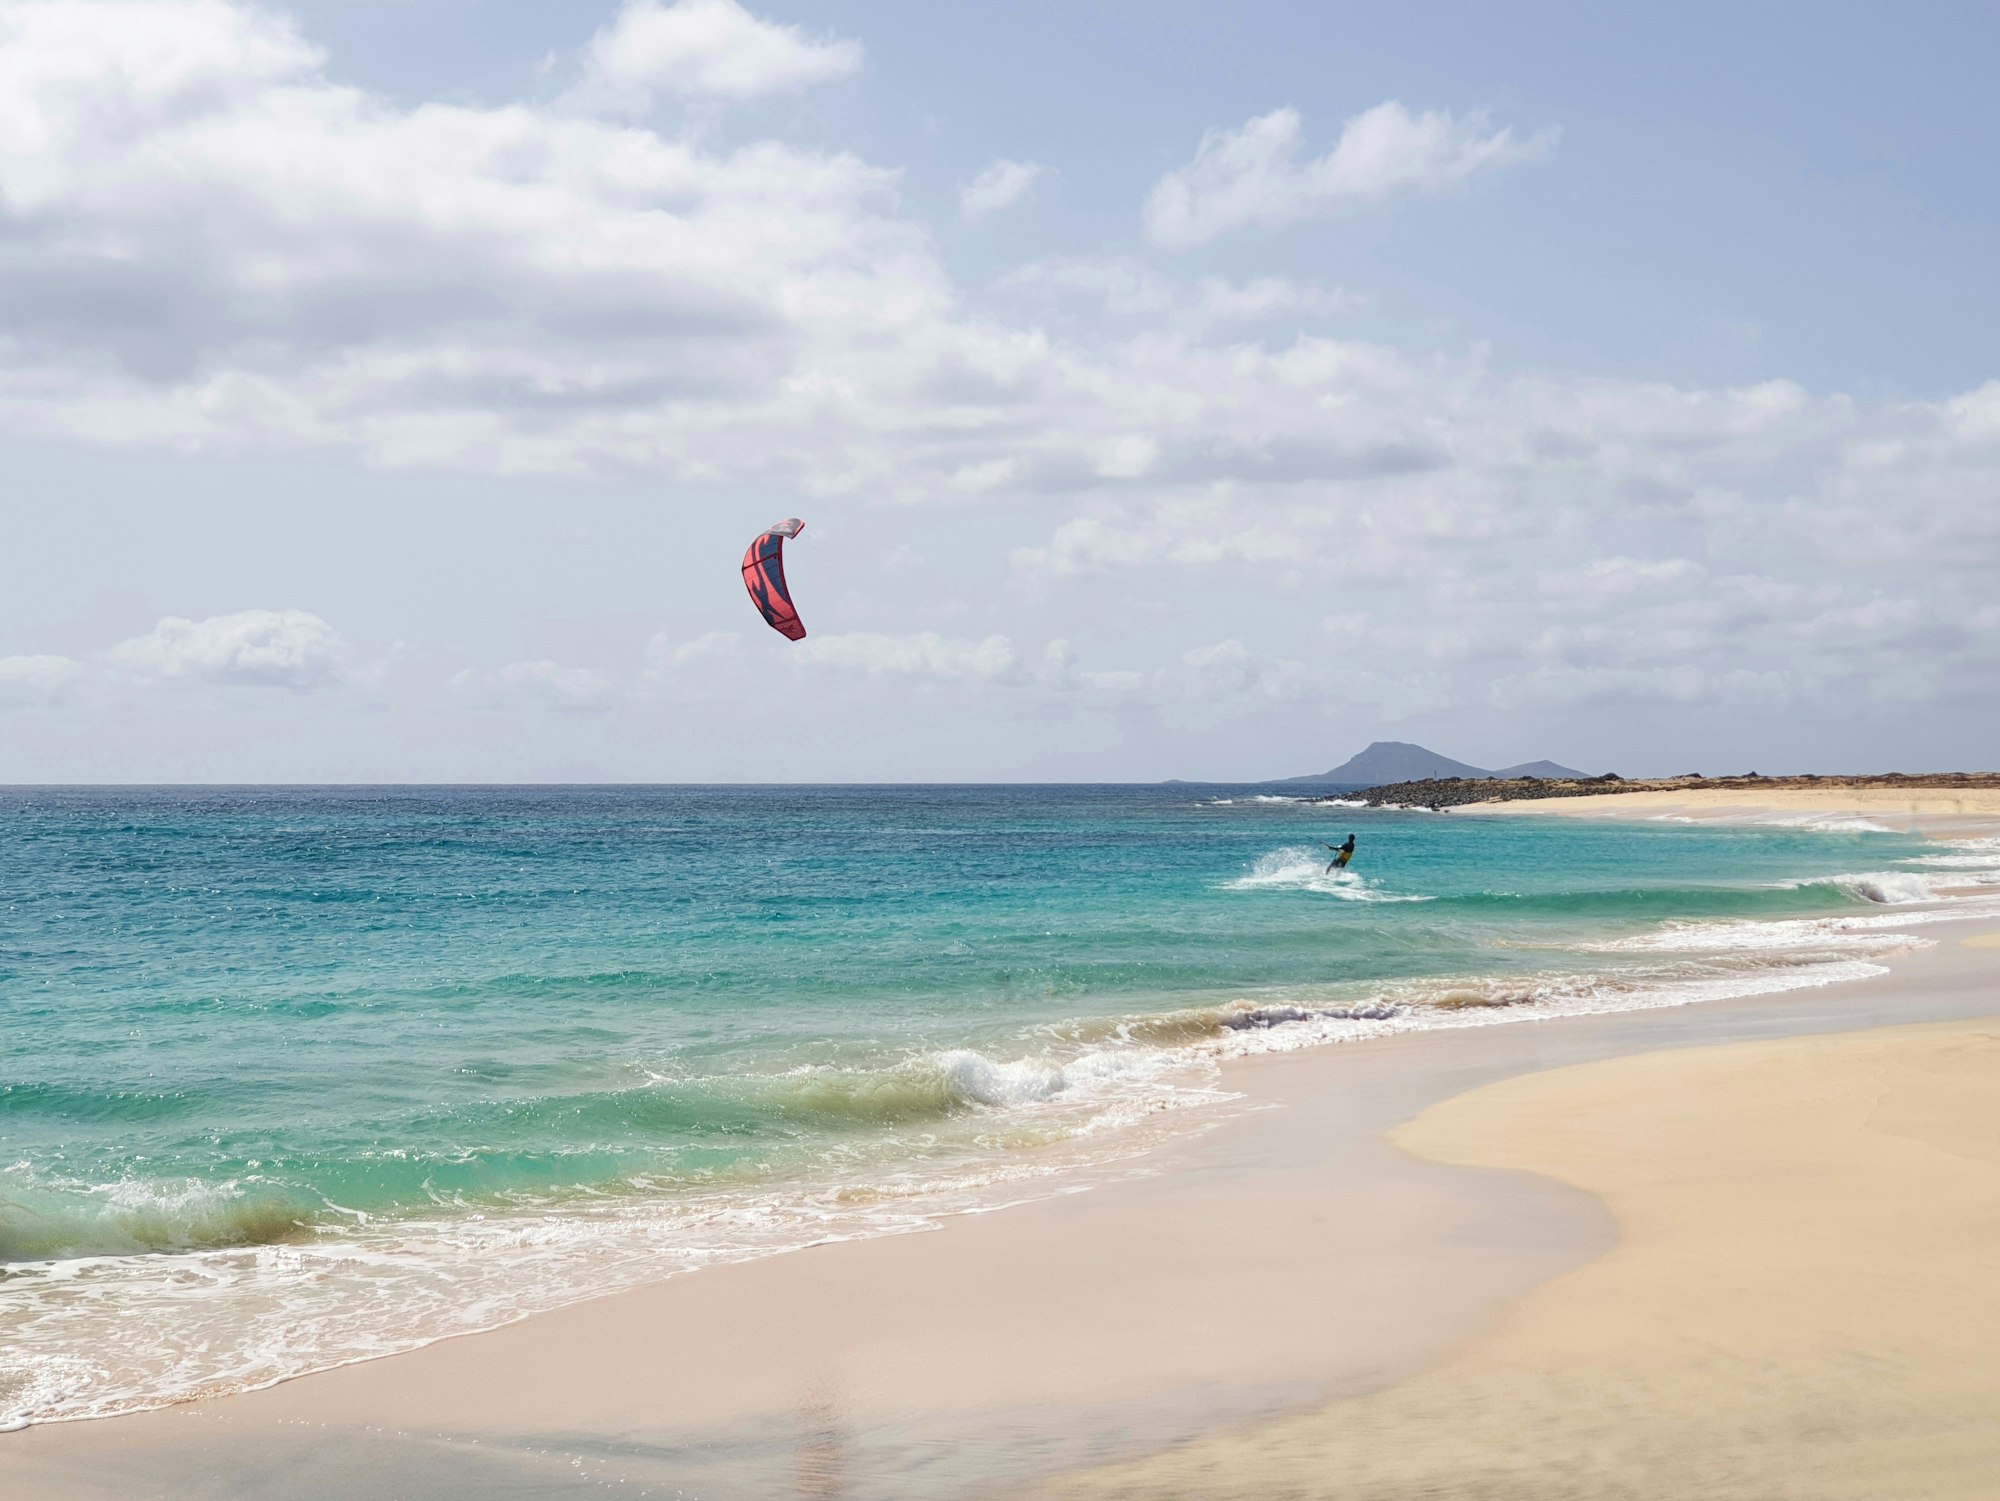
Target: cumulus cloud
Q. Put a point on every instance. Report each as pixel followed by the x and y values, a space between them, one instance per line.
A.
pixel 703 49
pixel 37 679
pixel 211 244
pixel 1252 176
pixel 265 648
pixel 925 654
pixel 999 185
pixel 1515 542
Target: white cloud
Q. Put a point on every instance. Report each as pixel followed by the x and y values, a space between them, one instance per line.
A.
pixel 39 679
pixel 1125 287
pixel 269 648
pixel 1000 185
pixel 539 682
pixel 209 243
pixel 212 245
pixel 703 49
pixel 1252 175
pixel 664 654
pixel 1271 297
pixel 925 654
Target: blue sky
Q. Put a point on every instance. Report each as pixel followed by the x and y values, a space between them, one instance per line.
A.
pixel 1745 191
pixel 388 390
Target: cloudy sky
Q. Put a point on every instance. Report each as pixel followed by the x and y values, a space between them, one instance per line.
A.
pixel 388 388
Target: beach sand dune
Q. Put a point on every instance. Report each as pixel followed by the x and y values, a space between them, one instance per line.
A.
pixel 1802 1303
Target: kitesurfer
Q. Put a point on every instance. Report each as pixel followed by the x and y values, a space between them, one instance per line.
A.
pixel 1342 853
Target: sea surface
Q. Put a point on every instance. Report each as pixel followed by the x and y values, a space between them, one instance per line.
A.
pixel 295 1077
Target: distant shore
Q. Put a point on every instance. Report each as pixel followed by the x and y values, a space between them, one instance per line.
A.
pixel 1936 806
pixel 1977 791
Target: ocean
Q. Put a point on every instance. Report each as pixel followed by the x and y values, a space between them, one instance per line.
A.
pixel 296 1077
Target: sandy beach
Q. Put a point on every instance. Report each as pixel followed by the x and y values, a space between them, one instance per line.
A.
pixel 1914 810
pixel 1740 1248
pixel 1799 1304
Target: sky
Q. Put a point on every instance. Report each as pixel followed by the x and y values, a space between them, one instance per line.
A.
pixel 389 388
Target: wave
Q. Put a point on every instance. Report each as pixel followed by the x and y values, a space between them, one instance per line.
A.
pixel 1972 862
pixel 617 1132
pixel 1486 1000
pixel 1300 868
pixel 1198 1024
pixel 1879 933
pixel 318 1300
pixel 68 1102
pixel 1886 888
pixel 48 1222
pixel 934 1085
pixel 1824 823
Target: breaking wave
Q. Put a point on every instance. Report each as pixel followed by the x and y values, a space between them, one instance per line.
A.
pixel 1887 888
pixel 1824 823
pixel 1971 862
pixel 43 1222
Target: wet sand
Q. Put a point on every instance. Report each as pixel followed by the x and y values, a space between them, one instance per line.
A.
pixel 1801 1303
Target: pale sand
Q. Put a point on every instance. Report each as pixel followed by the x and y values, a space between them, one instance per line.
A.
pixel 1287 1256
pixel 1917 809
pixel 1803 1302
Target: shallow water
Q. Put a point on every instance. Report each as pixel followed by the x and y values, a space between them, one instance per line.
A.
pixel 294 1077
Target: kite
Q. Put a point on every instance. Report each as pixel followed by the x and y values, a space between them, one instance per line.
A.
pixel 764 577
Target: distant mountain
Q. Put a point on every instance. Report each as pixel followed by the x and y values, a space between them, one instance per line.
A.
pixel 1391 761
pixel 1548 770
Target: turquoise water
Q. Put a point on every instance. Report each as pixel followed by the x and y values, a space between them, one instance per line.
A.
pixel 304 1075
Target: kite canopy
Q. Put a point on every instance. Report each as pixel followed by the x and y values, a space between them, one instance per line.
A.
pixel 764 577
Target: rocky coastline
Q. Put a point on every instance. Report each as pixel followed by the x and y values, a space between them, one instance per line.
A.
pixel 1439 793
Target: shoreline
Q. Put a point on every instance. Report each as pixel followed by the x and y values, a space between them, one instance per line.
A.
pixel 1796 1306
pixel 1937 812
pixel 1280 1257
pixel 1274 1257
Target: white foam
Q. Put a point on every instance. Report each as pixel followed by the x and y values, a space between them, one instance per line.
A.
pixel 1272 797
pixel 1823 823
pixel 1300 868
pixel 1890 888
pixel 1871 931
pixel 1818 823
pixel 1973 862
pixel 1584 995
